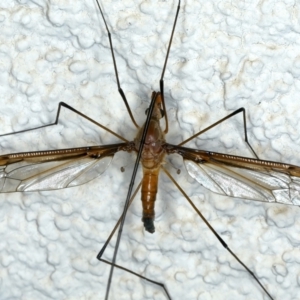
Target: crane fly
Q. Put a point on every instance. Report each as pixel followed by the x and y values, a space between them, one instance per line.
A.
pixel 50 241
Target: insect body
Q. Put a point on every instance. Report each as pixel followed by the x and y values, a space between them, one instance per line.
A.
pixel 152 158
pixel 80 216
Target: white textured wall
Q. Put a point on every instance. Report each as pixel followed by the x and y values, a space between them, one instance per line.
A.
pixel 225 54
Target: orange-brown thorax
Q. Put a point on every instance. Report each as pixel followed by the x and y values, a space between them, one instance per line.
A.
pixel 151 159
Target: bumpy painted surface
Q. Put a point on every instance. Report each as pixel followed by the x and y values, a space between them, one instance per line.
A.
pixel 225 55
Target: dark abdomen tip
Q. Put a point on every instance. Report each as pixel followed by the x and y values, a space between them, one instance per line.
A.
pixel 148 224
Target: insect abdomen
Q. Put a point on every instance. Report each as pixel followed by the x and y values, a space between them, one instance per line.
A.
pixel 149 191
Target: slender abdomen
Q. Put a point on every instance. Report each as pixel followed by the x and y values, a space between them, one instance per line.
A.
pixel 149 191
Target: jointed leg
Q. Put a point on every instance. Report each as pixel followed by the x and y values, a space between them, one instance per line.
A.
pixel 161 82
pixel 242 109
pixel 57 119
pixel 215 233
pixel 138 275
pixel 99 256
pixel 121 92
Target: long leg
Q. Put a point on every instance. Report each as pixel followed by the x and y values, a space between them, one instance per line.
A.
pixel 116 69
pixel 99 256
pixel 242 109
pixel 117 224
pixel 57 119
pixel 139 154
pixel 161 81
pixel 138 275
pixel 215 233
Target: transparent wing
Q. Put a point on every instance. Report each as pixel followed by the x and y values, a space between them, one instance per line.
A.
pixel 242 177
pixel 51 170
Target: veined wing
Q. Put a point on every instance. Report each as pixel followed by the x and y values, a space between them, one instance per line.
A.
pixel 55 169
pixel 242 177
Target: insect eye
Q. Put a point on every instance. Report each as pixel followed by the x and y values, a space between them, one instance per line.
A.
pixel 146 111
